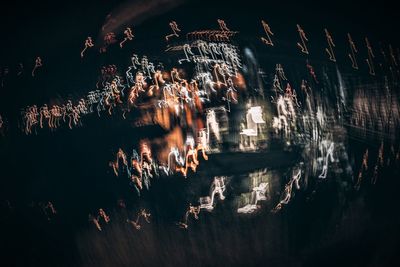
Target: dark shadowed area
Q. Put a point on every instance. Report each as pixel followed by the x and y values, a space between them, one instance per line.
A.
pixel 327 223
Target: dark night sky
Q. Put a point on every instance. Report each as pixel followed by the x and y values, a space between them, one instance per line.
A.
pixel 70 167
pixel 28 25
pixel 56 31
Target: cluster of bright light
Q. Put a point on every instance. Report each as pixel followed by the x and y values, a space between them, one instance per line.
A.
pixel 287 193
pixel 142 214
pixel 223 34
pixel 370 58
pixel 258 194
pixel 326 148
pixel 331 45
pixel 253 117
pixel 140 168
pixel 217 187
pixel 192 210
pixel 193 105
pixel 108 39
pixel 53 116
pixel 375 110
pixel 100 217
pixel 286 104
pixel 222 57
